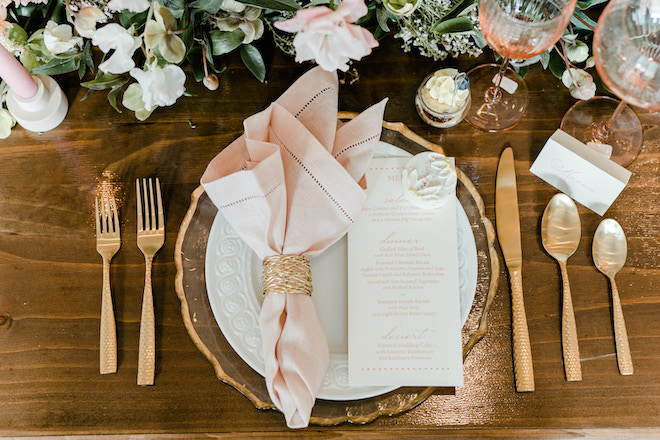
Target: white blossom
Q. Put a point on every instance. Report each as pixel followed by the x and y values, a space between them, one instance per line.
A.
pixel 576 51
pixel 580 83
pixel 85 20
pixel 59 38
pixel 161 86
pixel 7 121
pixel 114 36
pixel 131 5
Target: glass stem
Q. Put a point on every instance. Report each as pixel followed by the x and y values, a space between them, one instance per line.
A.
pixel 603 130
pixel 494 94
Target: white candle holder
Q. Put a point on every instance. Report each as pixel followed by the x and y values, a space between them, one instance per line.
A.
pixel 44 111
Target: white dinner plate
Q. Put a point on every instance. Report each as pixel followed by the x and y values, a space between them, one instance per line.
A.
pixel 233 281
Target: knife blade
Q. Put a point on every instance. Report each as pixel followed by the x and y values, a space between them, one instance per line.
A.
pixel 507 220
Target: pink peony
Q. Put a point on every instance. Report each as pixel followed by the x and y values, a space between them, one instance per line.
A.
pixel 328 36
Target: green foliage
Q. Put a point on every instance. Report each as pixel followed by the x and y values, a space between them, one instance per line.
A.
pixel 275 5
pixel 453 25
pixel 254 61
pixel 224 42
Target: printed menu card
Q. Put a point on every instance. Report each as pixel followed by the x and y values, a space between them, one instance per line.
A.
pixel 404 324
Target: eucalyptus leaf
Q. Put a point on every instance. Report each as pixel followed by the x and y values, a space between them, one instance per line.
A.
pixel 210 6
pixel 81 69
pixel 580 20
pixel 275 5
pixel 453 25
pixel 224 42
pixel 458 8
pixel 87 55
pixel 479 40
pixel 194 57
pixel 105 81
pixel 379 34
pixel 137 19
pixel 381 16
pixel 58 66
pixel 112 97
pixel 176 7
pixel 583 5
pixel 367 18
pixel 254 61
pixel 557 65
pixel 545 58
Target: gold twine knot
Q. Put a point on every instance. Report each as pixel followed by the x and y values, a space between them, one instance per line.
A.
pixel 287 273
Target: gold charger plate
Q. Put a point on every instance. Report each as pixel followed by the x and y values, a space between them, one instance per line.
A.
pixel 200 323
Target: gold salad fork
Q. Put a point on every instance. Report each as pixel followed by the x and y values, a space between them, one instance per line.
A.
pixel 150 238
pixel 108 242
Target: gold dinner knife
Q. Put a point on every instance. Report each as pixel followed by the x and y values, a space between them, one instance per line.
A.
pixel 507 220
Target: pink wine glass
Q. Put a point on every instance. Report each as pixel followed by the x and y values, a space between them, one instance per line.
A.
pixel 627 54
pixel 516 29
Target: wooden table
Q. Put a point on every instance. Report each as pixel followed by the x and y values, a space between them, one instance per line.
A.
pixel 50 275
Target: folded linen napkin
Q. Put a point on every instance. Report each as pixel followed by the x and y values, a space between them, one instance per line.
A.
pixel 289 187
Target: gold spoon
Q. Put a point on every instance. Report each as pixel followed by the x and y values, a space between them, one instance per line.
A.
pixel 609 252
pixel 560 232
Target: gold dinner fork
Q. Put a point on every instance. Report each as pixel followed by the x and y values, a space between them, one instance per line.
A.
pixel 108 242
pixel 150 238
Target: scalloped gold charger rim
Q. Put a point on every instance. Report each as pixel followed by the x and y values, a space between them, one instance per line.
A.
pixel 420 397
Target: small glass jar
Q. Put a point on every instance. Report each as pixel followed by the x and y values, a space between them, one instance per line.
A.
pixel 443 98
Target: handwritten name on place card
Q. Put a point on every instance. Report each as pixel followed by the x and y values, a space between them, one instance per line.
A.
pixel 580 172
pixel 403 317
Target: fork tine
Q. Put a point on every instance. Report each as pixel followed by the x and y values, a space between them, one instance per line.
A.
pixel 139 205
pixel 104 214
pixel 159 201
pixel 147 216
pixel 115 216
pixel 152 206
pixel 98 216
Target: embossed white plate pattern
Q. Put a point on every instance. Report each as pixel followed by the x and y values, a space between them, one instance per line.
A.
pixel 233 280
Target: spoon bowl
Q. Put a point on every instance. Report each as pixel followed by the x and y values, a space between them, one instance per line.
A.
pixel 610 248
pixel 560 233
pixel 609 251
pixel 560 227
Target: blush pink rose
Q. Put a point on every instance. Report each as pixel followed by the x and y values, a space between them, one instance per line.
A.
pixel 328 36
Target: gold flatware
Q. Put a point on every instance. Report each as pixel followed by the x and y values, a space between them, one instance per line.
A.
pixel 108 242
pixel 610 250
pixel 150 238
pixel 507 221
pixel 560 233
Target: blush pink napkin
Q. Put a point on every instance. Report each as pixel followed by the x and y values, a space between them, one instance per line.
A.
pixel 289 185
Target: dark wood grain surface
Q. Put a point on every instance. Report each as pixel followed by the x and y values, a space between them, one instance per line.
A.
pixel 50 275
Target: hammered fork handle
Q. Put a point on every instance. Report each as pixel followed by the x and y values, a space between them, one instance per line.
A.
pixel 108 346
pixel 147 345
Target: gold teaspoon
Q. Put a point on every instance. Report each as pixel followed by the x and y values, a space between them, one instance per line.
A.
pixel 560 232
pixel 609 252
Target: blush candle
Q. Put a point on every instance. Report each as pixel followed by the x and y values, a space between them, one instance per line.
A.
pixel 13 72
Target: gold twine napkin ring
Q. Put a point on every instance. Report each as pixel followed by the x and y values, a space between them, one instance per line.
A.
pixel 287 274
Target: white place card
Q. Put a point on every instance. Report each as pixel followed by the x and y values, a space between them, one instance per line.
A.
pixel 403 295
pixel 508 85
pixel 580 172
